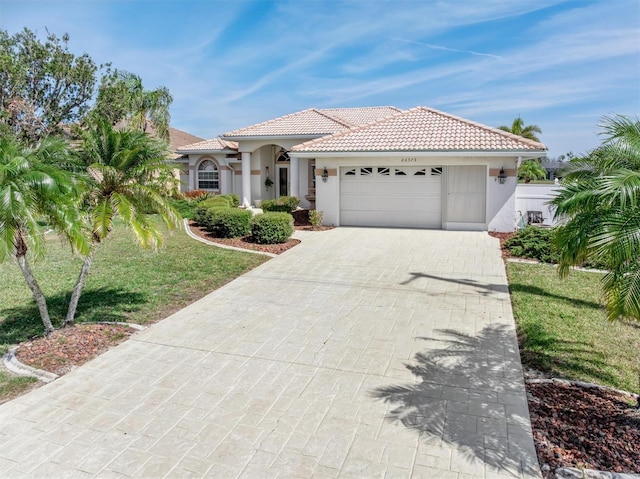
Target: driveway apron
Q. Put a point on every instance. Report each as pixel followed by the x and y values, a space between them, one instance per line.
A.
pixel 359 353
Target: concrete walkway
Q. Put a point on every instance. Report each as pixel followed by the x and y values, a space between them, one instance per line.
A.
pixel 359 353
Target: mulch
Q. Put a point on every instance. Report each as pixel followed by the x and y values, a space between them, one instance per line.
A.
pixel 587 428
pixel 68 348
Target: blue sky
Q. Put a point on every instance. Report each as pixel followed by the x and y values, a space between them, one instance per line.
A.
pixel 230 63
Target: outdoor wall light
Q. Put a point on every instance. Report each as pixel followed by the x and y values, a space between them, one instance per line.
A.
pixel 325 175
pixel 502 176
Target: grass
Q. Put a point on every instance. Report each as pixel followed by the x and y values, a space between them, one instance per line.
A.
pixel 126 283
pixel 563 328
pixel 13 386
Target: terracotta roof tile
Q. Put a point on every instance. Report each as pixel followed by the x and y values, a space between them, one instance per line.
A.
pixel 314 122
pixel 216 144
pixel 421 129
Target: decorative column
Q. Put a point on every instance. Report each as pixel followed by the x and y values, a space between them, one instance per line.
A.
pixel 294 165
pixel 246 179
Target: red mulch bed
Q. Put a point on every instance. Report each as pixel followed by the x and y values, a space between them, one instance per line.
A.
pixel 503 237
pixel 300 222
pixel 68 348
pixel 587 428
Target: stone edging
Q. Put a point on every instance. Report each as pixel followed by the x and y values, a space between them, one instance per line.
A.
pixel 223 246
pixel 15 366
pixel 573 473
pixel 12 363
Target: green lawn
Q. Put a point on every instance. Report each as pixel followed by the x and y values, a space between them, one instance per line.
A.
pixel 126 283
pixel 563 328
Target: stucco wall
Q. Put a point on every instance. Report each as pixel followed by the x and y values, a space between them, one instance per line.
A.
pixel 500 203
pixel 535 198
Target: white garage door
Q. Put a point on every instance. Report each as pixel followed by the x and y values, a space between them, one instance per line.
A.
pixel 405 196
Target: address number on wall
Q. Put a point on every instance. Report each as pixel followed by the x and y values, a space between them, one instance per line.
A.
pixel 408 160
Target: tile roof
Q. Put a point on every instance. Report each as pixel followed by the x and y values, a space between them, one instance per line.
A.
pixel 421 129
pixel 216 144
pixel 314 122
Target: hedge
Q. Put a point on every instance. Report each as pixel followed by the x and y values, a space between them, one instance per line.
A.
pixel 272 227
pixel 285 204
pixel 228 222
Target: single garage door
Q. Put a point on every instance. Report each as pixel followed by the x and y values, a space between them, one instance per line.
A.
pixel 401 196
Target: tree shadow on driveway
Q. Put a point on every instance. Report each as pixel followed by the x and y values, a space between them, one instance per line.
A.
pixel 484 289
pixel 469 396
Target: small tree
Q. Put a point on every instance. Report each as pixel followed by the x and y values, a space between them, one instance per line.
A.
pixel 601 199
pixel 126 179
pixel 121 96
pixel 531 170
pixel 31 188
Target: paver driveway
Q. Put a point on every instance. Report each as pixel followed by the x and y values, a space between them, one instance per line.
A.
pixel 359 353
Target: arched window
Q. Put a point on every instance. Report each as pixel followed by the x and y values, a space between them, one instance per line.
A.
pixel 208 176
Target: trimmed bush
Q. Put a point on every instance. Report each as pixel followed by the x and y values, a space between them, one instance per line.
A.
pixel 228 222
pixel 274 206
pixel 534 243
pixel 216 202
pixel 272 227
pixel 233 199
pixel 285 204
pixel 315 217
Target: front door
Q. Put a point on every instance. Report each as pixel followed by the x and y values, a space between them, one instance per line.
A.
pixel 283 181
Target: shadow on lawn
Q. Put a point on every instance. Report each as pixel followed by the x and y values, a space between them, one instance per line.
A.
pixel 105 304
pixel 468 396
pixel 544 293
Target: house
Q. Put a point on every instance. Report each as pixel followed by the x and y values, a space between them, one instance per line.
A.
pixel 375 166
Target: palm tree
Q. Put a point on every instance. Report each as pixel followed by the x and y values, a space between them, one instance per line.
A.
pixel 31 187
pixel 127 178
pixel 601 199
pixel 518 128
pixel 531 170
pixel 123 97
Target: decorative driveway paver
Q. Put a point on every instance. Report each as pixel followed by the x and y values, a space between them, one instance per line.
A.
pixel 359 353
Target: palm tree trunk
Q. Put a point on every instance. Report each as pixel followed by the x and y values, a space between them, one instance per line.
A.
pixel 77 289
pixel 41 302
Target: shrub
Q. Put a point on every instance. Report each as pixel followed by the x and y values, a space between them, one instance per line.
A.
pixel 233 199
pixel 285 204
pixel 201 211
pixel 195 193
pixel 315 217
pixel 216 202
pixel 274 206
pixel 534 243
pixel 185 207
pixel 272 227
pixel 228 222
pixel 290 201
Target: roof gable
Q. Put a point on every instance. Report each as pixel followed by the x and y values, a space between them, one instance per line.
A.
pixel 216 144
pixel 314 122
pixel 421 129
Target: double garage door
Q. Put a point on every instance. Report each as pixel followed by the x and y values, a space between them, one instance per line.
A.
pixel 412 196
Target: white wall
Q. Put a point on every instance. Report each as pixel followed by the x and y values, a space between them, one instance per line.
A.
pixel 535 198
pixel 500 205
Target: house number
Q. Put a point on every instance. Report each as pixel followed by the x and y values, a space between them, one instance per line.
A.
pixel 408 160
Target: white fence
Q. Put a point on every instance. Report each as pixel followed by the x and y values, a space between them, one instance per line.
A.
pixel 535 198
